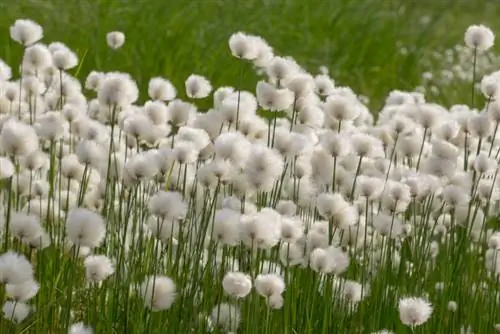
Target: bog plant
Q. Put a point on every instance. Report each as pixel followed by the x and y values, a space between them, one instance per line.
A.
pixel 291 209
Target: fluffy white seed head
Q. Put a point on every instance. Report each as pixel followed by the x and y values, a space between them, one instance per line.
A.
pixel 23 291
pixel 243 46
pixel 115 39
pixel 237 284
pixel 226 316
pixel 85 228
pixel 479 37
pixel 16 311
pixel 98 268
pixel 80 328
pixel 414 311
pixel 15 268
pixel 269 284
pixel 158 292
pixel 197 87
pixel 168 205
pixel 26 32
pixel 161 89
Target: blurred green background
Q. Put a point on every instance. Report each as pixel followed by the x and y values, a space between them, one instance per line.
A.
pixel 358 40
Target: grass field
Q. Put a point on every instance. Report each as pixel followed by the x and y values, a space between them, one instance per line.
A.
pixel 356 39
pixel 145 215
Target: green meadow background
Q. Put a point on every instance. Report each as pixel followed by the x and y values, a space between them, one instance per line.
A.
pixel 358 40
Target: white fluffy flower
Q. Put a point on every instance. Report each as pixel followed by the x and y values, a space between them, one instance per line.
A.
pixel 479 37
pixel 6 168
pixel 158 292
pixel 15 268
pixel 23 291
pixel 98 268
pixel 237 284
pixel 161 89
pixel 26 32
pixel 197 87
pixel 115 39
pixel 80 328
pixel 414 311
pixel 268 285
pixel 16 311
pixel 85 228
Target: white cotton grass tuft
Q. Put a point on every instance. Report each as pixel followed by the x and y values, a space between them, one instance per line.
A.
pixel 16 311
pixel 161 89
pixel 85 228
pixel 414 311
pixel 243 46
pixel 197 87
pixel 479 37
pixel 5 71
pixel 15 268
pixel 6 168
pixel 226 316
pixel 23 291
pixel 98 268
pixel 168 205
pixel 26 32
pixel 237 284
pixel 158 292
pixel 268 285
pixel 17 138
pixel 80 328
pixel 115 39
pixel 117 90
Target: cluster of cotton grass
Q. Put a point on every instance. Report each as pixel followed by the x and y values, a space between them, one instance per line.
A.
pixel 456 69
pixel 314 218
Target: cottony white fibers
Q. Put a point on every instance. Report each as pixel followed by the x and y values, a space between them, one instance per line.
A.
pixel 80 328
pixel 5 71
pixel 115 39
pixel 25 227
pixel 414 311
pixel 160 89
pixel 168 205
pixel 226 227
pixel 98 268
pixel 17 138
pixel 180 112
pixel 6 168
pixel 479 37
pixel 15 268
pixel 158 292
pixel 23 291
pixel 197 87
pixel 16 311
pixel 260 230
pixel 85 228
pixel 452 306
pixel 329 260
pixel 226 316
pixel 272 98
pixel 237 284
pixel 117 90
pixel 281 69
pixel 324 85
pixel 269 284
pixel 243 46
pixel 26 32
pixel 340 108
pixel 93 80
pixel 37 58
pixel 64 59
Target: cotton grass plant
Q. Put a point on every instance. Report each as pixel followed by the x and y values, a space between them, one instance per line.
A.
pixel 291 209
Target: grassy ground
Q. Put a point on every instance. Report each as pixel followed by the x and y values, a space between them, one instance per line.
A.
pixel 355 39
